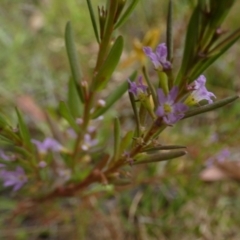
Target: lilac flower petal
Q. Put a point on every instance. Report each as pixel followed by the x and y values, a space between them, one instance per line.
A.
pixel 180 107
pixel 170 111
pixel 173 94
pixel 47 145
pixel 16 178
pixel 161 96
pixel 161 51
pixel 137 88
pixel 199 92
pixel 153 57
pixel 200 82
pixel 160 111
pixel 159 59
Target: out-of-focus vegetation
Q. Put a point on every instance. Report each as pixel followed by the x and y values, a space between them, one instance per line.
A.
pixel 166 200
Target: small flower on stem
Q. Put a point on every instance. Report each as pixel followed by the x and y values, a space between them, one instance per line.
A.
pixel 170 111
pixel 47 144
pixel 138 89
pixel 199 92
pixel 16 178
pixel 159 58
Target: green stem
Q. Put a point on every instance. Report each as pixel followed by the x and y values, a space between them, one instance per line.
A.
pixel 104 46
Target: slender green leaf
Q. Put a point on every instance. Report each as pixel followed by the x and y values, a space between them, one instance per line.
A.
pixel 73 59
pixel 214 54
pixel 157 157
pixel 191 43
pixel 109 65
pixel 210 107
pixel 93 19
pixel 126 14
pixel 65 112
pixel 74 102
pixel 111 7
pixel 24 132
pixel 157 148
pixel 3 121
pixel 126 141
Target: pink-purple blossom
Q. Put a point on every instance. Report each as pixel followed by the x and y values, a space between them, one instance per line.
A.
pixel 199 92
pixel 15 179
pixel 49 144
pixel 170 111
pixel 137 88
pixel 159 58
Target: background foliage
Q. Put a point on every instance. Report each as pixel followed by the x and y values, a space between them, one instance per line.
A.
pixel 165 201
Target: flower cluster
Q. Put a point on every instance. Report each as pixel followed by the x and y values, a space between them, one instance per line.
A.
pixel 169 109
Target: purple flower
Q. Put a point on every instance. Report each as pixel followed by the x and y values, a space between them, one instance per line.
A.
pixel 159 58
pixel 170 111
pixel 139 88
pixel 199 92
pixel 15 179
pixel 47 145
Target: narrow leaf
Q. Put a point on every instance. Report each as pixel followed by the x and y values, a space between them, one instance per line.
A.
pixel 93 19
pixel 126 14
pixel 73 59
pixel 109 65
pixel 24 132
pixel 74 102
pixel 126 141
pixel 149 158
pixel 157 148
pixel 214 54
pixel 210 107
pixel 66 114
pixel 3 121
pixel 191 43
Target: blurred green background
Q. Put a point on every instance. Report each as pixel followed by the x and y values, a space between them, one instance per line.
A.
pixel 165 201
